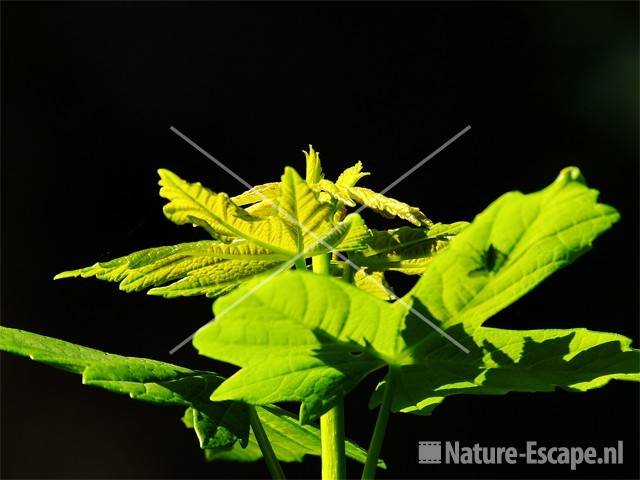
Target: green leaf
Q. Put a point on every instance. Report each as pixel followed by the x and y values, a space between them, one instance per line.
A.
pixel 206 267
pixel 503 361
pixel 316 345
pixel 261 200
pixel 351 176
pixel 314 167
pixel 217 279
pixel 259 193
pixel 222 428
pixel 140 378
pixel 302 226
pixel 281 233
pixel 531 236
pixel 192 203
pixel 405 249
pixel 387 206
pixel 336 191
pixel 290 440
pixel 374 283
pixel 306 218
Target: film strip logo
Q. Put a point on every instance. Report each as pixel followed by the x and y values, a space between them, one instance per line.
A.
pixel 429 452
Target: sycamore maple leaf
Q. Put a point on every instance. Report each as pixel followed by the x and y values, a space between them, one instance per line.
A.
pixel 317 344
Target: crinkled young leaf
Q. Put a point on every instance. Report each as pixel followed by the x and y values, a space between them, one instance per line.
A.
pixel 302 223
pixel 336 191
pixel 216 279
pixel 207 267
pixel 308 220
pixel 142 379
pixel 315 346
pixel 259 193
pixel 374 283
pixel 351 176
pixel 314 167
pixel 343 190
pixel 265 208
pixel 405 249
pixel 387 206
pixel 192 203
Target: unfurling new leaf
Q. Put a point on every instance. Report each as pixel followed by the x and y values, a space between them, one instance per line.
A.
pixel 265 229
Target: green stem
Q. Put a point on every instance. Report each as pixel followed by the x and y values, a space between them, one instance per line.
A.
pixel 301 264
pixel 265 446
pixel 321 264
pixel 334 465
pixel 348 272
pixel 373 455
pixel 332 422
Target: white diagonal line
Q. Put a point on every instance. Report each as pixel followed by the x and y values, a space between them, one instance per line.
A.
pixel 279 270
pixel 212 158
pixel 320 240
pixel 288 264
pixel 420 163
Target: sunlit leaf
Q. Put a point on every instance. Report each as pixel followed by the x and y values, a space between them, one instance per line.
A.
pixel 222 428
pixel 315 346
pixel 314 167
pixel 405 249
pixel 387 206
pixel 374 283
pixel 351 176
pixel 290 440
pixel 216 279
pixel 302 224
pixel 259 193
pixel 336 191
pixel 204 267
pixel 140 378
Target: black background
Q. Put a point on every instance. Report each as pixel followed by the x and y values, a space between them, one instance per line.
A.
pixel 89 91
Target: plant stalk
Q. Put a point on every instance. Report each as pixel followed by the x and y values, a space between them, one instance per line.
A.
pixel 334 465
pixel 265 446
pixel 301 264
pixel 348 272
pixel 331 423
pixel 373 455
pixel 321 264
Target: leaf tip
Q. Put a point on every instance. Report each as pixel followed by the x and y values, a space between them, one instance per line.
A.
pixel 570 174
pixel 219 395
pixel 314 168
pixel 167 176
pixel 66 274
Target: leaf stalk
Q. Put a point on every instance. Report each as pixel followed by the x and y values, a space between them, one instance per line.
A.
pixel 348 272
pixel 373 454
pixel 265 445
pixel 321 264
